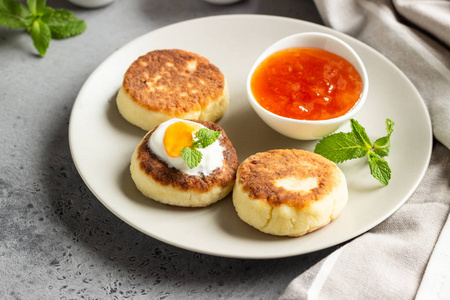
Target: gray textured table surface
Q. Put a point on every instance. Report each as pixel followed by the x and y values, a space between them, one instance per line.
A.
pixel 57 241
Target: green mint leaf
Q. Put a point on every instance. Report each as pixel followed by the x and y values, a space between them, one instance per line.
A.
pixel 339 147
pixel 32 6
pixel 41 5
pixel 383 144
pixel 64 24
pixel 41 35
pixel 191 156
pixel 360 134
pixel 36 6
pixel 379 168
pixel 45 12
pixel 14 15
pixel 206 137
pixel 389 126
pixel 43 23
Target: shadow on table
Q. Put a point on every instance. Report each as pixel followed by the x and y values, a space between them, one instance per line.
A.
pixel 134 258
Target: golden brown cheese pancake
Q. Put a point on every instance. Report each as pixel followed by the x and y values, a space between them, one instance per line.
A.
pixel 172 83
pixel 170 186
pixel 289 192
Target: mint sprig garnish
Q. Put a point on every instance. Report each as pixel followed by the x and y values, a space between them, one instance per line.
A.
pixel 379 168
pixel 42 22
pixel 204 138
pixel 343 146
pixel 383 144
pixel 191 156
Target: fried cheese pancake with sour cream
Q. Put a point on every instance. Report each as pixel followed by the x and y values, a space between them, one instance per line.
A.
pixel 289 192
pixel 169 185
pixel 172 83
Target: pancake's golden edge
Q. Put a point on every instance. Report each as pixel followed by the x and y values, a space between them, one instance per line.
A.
pixel 182 189
pixel 162 84
pixel 147 119
pixel 288 219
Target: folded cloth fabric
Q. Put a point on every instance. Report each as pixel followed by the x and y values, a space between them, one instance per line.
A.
pixel 430 15
pixel 408 255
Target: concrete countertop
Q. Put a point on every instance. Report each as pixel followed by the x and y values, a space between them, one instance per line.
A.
pixel 57 241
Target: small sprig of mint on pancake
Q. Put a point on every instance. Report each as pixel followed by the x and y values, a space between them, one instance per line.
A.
pixel 205 137
pixel 342 146
pixel 42 22
pixel 191 156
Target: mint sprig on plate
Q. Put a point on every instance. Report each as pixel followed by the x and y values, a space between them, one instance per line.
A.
pixel 42 22
pixel 343 146
pixel 205 137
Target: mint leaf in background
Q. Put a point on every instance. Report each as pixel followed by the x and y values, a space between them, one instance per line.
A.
pixel 36 6
pixel 41 35
pixel 383 144
pixel 64 24
pixel 360 134
pixel 206 137
pixel 42 22
pixel 191 156
pixel 339 147
pixel 14 15
pixel 379 168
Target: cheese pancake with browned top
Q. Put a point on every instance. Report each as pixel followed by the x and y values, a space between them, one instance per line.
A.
pixel 172 83
pixel 156 180
pixel 289 192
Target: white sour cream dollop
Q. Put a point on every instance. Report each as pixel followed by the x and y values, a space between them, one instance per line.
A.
pixel 212 155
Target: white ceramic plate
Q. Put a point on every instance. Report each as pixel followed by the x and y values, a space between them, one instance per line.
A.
pixel 102 142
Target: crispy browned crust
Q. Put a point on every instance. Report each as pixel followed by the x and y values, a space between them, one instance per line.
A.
pixel 259 172
pixel 162 80
pixel 160 172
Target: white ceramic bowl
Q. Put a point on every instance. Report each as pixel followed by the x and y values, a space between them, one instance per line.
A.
pixel 91 3
pixel 306 129
pixel 222 2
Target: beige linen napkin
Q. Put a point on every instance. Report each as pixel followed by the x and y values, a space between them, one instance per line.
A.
pixel 406 256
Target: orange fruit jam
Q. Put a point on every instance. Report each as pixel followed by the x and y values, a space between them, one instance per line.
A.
pixel 306 84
